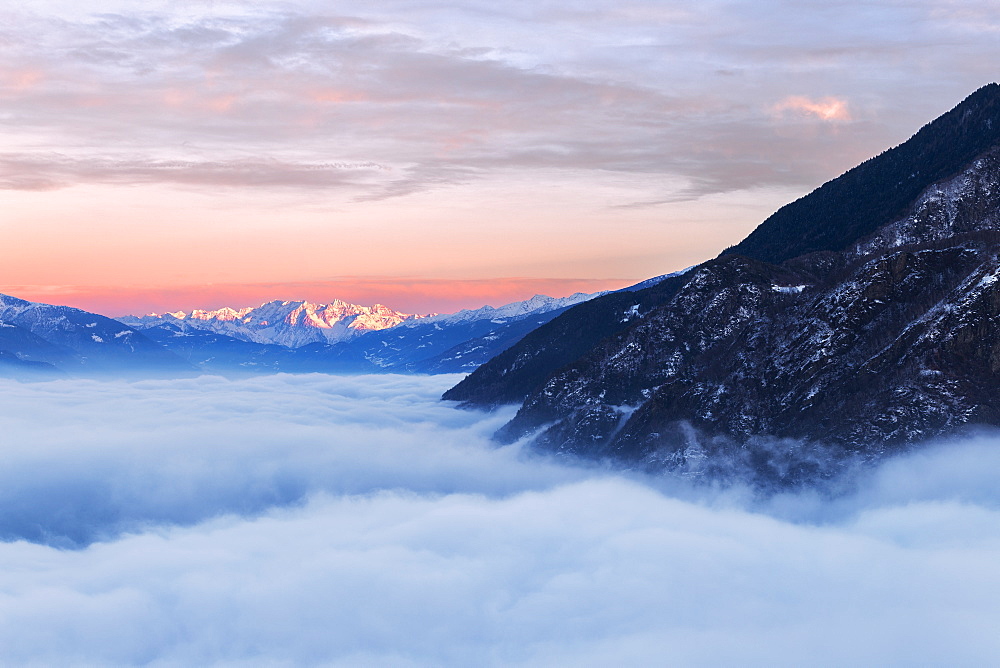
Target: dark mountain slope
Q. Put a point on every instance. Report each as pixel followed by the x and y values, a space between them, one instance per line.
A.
pixel 479 349
pixel 77 341
pixel 11 366
pixel 26 346
pixel 514 373
pixel 879 190
pixel 829 356
pixel 217 353
pixel 721 299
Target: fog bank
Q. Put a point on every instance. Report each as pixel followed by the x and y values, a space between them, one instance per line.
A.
pixel 305 520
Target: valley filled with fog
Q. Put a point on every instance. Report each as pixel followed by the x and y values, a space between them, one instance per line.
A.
pixel 315 519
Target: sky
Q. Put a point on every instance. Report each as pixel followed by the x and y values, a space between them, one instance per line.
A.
pixel 346 521
pixel 435 156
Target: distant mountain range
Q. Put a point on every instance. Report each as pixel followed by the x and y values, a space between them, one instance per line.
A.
pixel 43 341
pixel 852 322
pixel 289 323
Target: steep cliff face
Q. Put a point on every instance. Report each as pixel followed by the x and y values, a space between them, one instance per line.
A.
pixel 888 339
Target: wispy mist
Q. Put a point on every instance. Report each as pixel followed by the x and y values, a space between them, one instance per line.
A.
pixel 358 521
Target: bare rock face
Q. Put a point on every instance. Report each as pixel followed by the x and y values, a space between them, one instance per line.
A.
pixel 786 353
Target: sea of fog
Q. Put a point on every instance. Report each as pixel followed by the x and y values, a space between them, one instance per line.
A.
pixel 346 521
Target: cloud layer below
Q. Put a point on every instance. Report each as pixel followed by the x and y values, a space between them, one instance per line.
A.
pixel 301 520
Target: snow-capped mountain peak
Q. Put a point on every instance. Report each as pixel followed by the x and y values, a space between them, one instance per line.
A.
pixel 535 305
pixel 372 337
pixel 288 323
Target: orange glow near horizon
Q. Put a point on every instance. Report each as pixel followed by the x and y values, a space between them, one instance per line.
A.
pixel 151 248
pixel 409 295
pixel 229 157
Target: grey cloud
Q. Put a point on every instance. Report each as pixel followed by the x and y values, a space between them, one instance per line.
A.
pixel 52 171
pixel 452 97
pixel 307 520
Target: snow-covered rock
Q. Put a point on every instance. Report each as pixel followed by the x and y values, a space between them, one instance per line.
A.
pixel 286 323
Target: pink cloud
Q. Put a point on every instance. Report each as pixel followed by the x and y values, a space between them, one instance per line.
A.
pixel 825 108
pixel 221 103
pixel 339 96
pixel 20 79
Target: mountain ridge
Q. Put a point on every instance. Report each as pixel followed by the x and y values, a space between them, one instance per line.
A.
pixel 211 341
pixel 70 339
pixel 287 323
pixel 881 188
pixel 857 348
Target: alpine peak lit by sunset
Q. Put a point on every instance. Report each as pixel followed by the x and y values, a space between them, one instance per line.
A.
pixel 161 156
